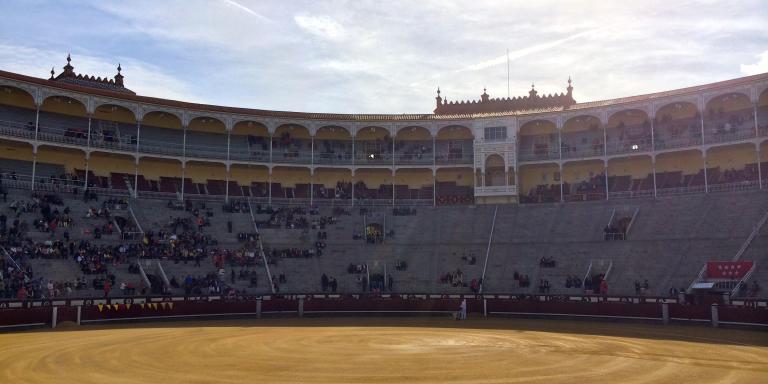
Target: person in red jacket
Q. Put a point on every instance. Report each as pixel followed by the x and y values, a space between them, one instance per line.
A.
pixel 107 287
pixel 22 293
pixel 603 287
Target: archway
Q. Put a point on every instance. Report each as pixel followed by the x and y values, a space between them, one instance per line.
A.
pixel 373 145
pixel 333 145
pixel 454 186
pixel 538 141
pixel 628 131
pixel 630 176
pixel 373 184
pixel 454 145
pixel 333 183
pixel 582 136
pixel 732 164
pixel 63 119
pixel 677 125
pixel 539 183
pixel 291 143
pixel 114 126
pixel 206 138
pixel 413 145
pixel 249 142
pixel 414 184
pixel 585 180
pixel 495 174
pixel 680 170
pixel 159 175
pixel 161 133
pixel 17 108
pixel 729 117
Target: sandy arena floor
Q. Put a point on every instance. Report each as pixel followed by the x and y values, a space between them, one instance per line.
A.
pixel 411 350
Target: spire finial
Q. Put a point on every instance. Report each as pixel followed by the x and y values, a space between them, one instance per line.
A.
pixel 533 85
pixel 69 58
pixel 119 68
pixel 438 90
pixel 52 73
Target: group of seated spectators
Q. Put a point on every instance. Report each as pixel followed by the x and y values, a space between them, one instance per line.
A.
pixel 641 288
pixel 544 286
pixel 749 290
pixel 236 206
pixel 454 278
pixel 342 190
pixel 596 284
pixel 573 282
pixel 328 283
pixel 547 262
pixel 470 258
pixel 521 281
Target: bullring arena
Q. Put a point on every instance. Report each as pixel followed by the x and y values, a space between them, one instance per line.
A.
pixel 414 350
pixel 148 240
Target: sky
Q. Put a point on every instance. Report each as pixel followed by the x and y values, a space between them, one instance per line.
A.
pixel 386 56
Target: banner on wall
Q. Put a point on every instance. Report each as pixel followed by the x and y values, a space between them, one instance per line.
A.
pixel 728 269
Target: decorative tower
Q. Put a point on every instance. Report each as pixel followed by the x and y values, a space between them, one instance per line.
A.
pixel 438 100
pixel 119 76
pixel 532 93
pixel 69 70
pixel 484 97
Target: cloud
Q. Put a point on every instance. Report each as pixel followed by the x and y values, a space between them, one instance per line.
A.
pixel 321 26
pixel 527 51
pixel 388 57
pixel 761 66
pixel 245 9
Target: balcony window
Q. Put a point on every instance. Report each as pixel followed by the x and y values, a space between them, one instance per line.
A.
pixel 495 133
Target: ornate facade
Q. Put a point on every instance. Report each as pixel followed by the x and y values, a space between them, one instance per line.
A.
pixel 534 149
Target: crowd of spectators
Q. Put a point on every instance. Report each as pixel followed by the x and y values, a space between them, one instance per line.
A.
pixel 547 262
pixel 521 281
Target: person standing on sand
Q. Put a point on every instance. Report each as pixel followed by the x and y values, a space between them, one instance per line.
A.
pixel 463 310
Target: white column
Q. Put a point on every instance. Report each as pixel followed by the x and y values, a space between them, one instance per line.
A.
pixel 226 189
pixel 37 122
pixel 434 185
pixel 393 179
pixel 34 166
pixel 562 179
pixel 701 115
pixel 88 141
pixel 269 184
pixel 136 178
pixel 653 134
pixel 759 170
pixel 226 186
pixel 757 130
pixel 353 183
pixel 138 159
pixel 312 184
pixel 706 182
pixel 183 174
pixel 653 165
pixel 87 162
pixel 184 160
pixel 606 179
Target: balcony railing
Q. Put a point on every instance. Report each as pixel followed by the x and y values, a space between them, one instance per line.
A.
pixel 496 190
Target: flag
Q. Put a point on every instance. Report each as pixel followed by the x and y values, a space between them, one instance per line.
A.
pixel 728 269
